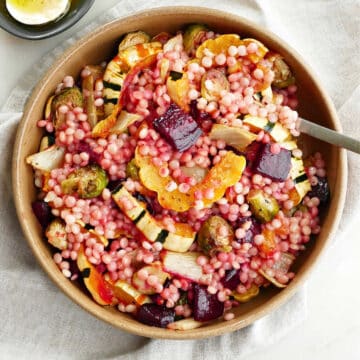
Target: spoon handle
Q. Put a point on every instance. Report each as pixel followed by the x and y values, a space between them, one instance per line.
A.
pixel 329 136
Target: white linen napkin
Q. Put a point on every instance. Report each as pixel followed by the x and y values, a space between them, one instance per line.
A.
pixel 38 321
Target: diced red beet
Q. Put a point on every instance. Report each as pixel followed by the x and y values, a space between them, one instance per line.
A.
pixel 155 315
pixel 255 229
pixel 273 166
pixel 320 190
pixel 179 129
pixel 42 211
pixel 252 151
pixel 83 146
pixel 231 279
pixel 198 115
pixel 206 306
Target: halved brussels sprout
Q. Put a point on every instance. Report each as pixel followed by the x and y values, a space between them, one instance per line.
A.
pixel 283 75
pixel 56 234
pixel 210 238
pixel 68 96
pixel 192 36
pixel 88 182
pixel 134 38
pixel 213 83
pixel 263 206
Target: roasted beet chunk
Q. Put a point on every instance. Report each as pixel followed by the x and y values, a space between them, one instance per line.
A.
pixel 231 279
pixel 178 128
pixel 42 211
pixel 206 306
pixel 155 315
pixel 274 166
pixel 85 147
pixel 252 151
pixel 254 229
pixel 320 190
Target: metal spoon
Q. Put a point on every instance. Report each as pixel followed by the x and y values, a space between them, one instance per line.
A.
pixel 329 136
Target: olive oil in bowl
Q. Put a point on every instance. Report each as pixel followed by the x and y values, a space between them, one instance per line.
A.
pixel 37 12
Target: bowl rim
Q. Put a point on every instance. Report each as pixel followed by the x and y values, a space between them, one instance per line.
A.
pixel 83 299
pixel 56 28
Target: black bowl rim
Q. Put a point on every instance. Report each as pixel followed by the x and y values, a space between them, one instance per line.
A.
pixel 56 28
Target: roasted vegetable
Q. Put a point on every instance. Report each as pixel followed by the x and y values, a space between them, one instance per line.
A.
pixel 103 128
pixel 56 234
pixel 235 137
pixel 178 128
pixel 132 170
pixel 126 293
pixel 178 90
pixel 89 99
pixel 134 38
pixel 222 175
pixel 47 160
pixel 179 241
pixel 248 295
pixel 302 183
pixel 261 51
pixel 88 182
pixel 182 265
pixel 42 211
pixel 197 172
pixel 206 306
pixel 274 166
pixel 118 68
pixel 98 287
pixel 215 234
pixel 219 44
pixel 123 121
pixel 213 83
pixel 281 266
pixel 185 324
pixel 193 34
pixel 46 141
pixel 155 269
pixel 268 246
pixel 71 97
pixel 283 75
pixel 263 206
pixel 155 315
pixel 276 131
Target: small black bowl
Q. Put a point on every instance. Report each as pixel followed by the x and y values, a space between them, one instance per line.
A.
pixel 78 9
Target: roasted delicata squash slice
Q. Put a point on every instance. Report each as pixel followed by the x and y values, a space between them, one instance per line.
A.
pixel 118 68
pixel 178 89
pixel 179 241
pixel 103 128
pixel 261 51
pixel 218 45
pixel 276 131
pixel 222 175
pixel 98 287
pixel 301 181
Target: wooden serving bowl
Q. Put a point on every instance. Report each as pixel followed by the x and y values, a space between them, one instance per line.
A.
pixel 100 45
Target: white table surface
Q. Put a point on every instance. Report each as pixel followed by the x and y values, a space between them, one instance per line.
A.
pixel 332 328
